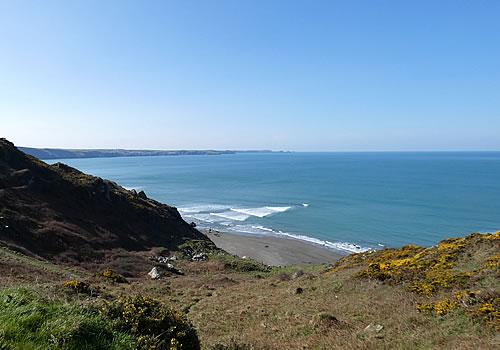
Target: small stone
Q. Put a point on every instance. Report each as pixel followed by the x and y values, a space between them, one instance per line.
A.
pixel 154 273
pixel 374 328
pixel 200 257
pixel 299 290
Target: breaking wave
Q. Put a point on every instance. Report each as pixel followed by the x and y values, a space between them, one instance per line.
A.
pixel 232 218
pixel 215 212
pixel 262 230
pixel 261 212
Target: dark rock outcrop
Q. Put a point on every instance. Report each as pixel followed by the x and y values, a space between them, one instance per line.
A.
pixel 58 211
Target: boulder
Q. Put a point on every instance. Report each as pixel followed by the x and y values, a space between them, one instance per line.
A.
pixel 200 257
pixel 163 259
pixel 154 273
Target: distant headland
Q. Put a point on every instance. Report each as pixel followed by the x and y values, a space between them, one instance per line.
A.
pixel 58 153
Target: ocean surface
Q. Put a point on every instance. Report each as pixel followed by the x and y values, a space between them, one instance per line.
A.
pixel 346 201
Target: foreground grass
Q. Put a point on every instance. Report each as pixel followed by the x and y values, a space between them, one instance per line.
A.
pixel 30 321
pixel 443 297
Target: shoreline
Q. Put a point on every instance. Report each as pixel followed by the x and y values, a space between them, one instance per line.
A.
pixel 274 251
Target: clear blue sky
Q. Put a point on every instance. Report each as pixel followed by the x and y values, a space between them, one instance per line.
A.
pixel 297 75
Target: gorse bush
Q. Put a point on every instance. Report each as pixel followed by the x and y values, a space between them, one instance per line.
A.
pixel 78 286
pixel 155 325
pixel 440 269
pixel 112 276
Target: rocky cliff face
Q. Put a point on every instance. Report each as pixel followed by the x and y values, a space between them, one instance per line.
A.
pixel 55 211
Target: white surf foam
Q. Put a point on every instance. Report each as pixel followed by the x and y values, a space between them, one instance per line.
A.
pixel 345 246
pixel 232 215
pixel 205 217
pixel 262 230
pixel 130 188
pixel 305 204
pixel 255 230
pixel 202 208
pixel 261 212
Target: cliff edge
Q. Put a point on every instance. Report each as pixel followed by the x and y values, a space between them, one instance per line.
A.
pixel 56 211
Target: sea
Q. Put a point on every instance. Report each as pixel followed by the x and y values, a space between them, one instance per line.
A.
pixel 344 201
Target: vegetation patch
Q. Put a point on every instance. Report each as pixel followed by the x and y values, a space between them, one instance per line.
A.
pixel 232 262
pixel 192 247
pixel 30 321
pixel 112 276
pixel 436 270
pixel 78 286
pixel 155 325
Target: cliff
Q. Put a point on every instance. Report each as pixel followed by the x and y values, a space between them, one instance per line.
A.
pixel 55 211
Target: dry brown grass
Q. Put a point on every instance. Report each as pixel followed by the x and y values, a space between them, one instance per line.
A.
pixel 262 310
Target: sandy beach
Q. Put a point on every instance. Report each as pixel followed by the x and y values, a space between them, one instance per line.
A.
pixel 273 250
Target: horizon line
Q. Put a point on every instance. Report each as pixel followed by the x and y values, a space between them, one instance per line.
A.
pixel 263 150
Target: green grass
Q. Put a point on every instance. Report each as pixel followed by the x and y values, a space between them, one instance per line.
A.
pixel 238 264
pixel 30 321
pixel 9 255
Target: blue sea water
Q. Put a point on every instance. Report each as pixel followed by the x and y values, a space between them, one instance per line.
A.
pixel 348 201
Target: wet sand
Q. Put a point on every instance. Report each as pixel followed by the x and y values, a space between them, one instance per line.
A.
pixel 273 250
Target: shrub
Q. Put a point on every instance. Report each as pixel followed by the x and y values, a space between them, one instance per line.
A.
pixel 78 286
pixel 110 275
pixel 242 265
pixel 452 265
pixel 193 247
pixel 325 321
pixel 155 325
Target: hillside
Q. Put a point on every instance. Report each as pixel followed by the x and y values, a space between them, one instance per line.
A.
pixel 86 264
pixel 365 301
pixel 55 211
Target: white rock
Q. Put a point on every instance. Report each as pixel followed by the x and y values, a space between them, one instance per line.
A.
pixel 154 273
pixel 200 257
pixel 374 328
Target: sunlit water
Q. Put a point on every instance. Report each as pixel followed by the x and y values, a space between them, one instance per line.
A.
pixel 349 201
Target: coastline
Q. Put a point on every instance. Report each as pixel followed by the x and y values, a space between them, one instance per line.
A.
pixel 275 251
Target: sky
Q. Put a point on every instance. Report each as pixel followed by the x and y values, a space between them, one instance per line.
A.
pixel 310 75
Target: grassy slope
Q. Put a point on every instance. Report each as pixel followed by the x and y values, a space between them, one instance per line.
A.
pixel 322 307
